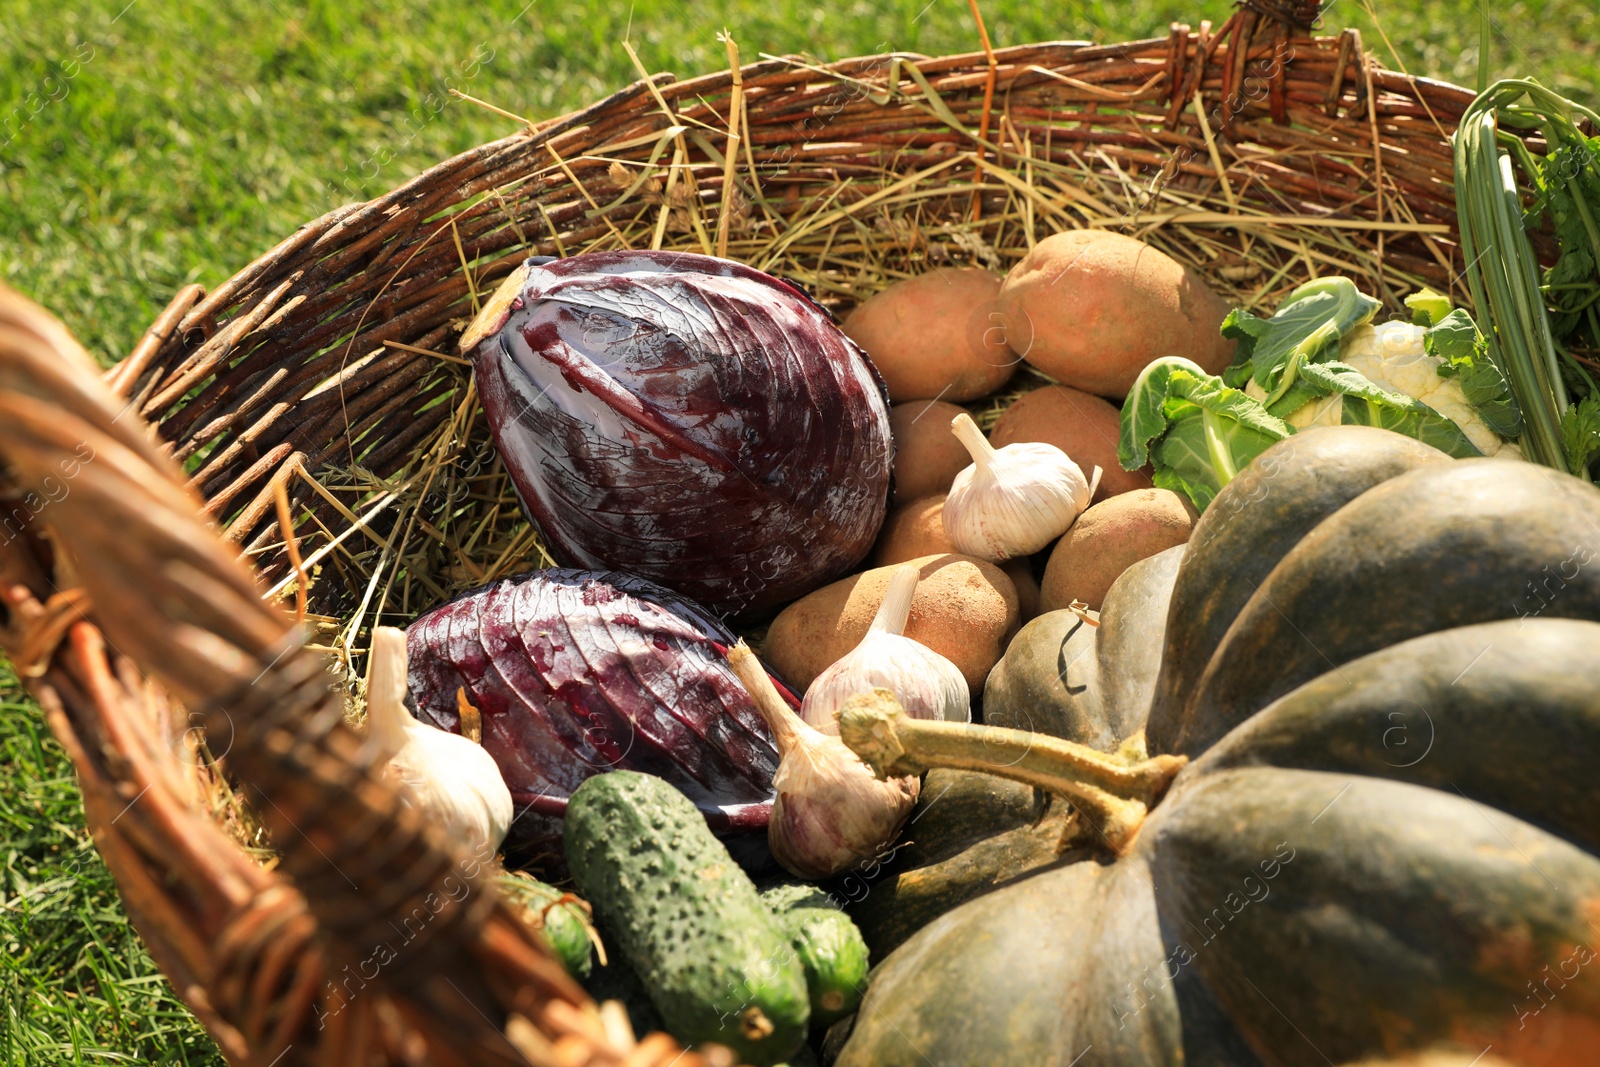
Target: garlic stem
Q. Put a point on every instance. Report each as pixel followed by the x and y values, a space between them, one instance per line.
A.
pixel 978 446
pixel 452 779
pixel 784 724
pixel 388 721
pixel 896 607
pixel 1112 794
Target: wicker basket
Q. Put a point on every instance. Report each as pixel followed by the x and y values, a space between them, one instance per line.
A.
pixel 318 390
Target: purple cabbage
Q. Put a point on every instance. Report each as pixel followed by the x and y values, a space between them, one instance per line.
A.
pixel 687 419
pixel 580 672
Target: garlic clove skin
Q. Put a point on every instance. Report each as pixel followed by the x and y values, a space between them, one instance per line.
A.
pixel 927 685
pixel 1014 500
pixel 831 813
pixel 452 779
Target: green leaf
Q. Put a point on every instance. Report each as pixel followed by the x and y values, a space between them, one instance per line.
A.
pixel 1580 432
pixel 1368 404
pixel 1314 312
pixel 1320 342
pixel 1242 327
pixel 1428 307
pixel 1301 393
pixel 1456 340
pixel 1567 191
pixel 1144 416
pixel 1196 430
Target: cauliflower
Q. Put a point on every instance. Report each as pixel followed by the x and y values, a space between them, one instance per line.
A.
pixel 1391 356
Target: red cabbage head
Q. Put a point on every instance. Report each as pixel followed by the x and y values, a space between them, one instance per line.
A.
pixel 686 419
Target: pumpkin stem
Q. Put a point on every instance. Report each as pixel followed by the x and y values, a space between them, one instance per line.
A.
pixel 1112 794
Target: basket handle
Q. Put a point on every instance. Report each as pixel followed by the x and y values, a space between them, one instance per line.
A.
pixel 168 593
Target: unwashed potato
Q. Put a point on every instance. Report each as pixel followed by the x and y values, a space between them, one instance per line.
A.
pixel 913 530
pixel 1083 426
pixel 1109 538
pixel 931 337
pixel 1093 308
pixel 964 609
pixel 927 456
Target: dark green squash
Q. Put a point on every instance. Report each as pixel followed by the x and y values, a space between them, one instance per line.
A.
pixel 1064 676
pixel 1269 902
pixel 1441 546
pixel 974 832
pixel 1392 850
pixel 1256 519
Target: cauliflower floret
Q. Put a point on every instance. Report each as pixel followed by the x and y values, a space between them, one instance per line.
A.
pixel 1391 356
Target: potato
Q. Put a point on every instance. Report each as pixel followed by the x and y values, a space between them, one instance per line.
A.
pixel 927 456
pixel 1020 571
pixel 964 609
pixel 1092 309
pixel 931 336
pixel 913 530
pixel 1085 427
pixel 1109 538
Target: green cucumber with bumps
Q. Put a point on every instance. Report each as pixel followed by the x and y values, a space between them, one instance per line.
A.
pixel 830 947
pixel 717 964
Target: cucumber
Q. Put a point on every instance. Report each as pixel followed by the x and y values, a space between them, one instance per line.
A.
pixel 830 947
pixel 564 923
pixel 717 964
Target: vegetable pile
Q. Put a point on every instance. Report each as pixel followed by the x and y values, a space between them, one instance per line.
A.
pixel 1113 711
pixel 1345 779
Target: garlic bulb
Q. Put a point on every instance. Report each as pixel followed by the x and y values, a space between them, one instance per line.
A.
pixel 927 685
pixel 1012 500
pixel 831 811
pixel 453 780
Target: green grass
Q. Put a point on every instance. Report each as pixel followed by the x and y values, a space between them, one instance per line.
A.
pixel 76 986
pixel 186 137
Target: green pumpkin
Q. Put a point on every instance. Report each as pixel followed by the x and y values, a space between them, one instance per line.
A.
pixel 1064 676
pixel 972 832
pixel 1267 510
pixel 1386 836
